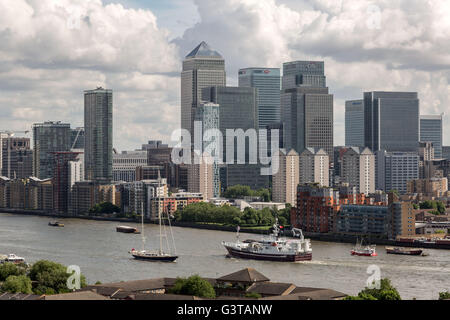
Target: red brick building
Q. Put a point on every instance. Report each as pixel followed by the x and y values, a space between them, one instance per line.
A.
pixel 316 209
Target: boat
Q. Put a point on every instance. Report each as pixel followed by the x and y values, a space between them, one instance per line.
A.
pixel 126 229
pixel 271 248
pixel 160 255
pixel 12 258
pixel 367 251
pixel 56 224
pixel 404 251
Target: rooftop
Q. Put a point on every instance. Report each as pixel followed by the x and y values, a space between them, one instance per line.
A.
pixel 204 50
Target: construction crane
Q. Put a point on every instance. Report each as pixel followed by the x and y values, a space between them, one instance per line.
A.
pixel 10 135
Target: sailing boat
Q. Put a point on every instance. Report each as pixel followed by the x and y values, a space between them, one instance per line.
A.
pixel 159 255
pixel 368 251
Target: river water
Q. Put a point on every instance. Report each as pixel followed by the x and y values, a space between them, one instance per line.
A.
pixel 102 255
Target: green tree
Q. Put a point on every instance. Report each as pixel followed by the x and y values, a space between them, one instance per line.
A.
pixel 17 284
pixel 386 291
pixel 51 278
pixel 10 269
pixel 254 295
pixel 193 286
pixel 104 207
pixel 444 295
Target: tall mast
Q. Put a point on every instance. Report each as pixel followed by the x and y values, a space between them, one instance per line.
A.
pixel 142 227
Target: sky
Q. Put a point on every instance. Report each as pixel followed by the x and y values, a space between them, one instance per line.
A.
pixel 53 50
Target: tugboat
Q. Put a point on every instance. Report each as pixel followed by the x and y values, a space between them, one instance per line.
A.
pixel 56 224
pixel 367 251
pixel 404 251
pixel 272 248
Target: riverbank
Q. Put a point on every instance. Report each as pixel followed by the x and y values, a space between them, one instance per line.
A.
pixel 214 227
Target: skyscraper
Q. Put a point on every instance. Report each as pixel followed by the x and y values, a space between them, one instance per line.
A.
pixel 203 67
pixel 77 138
pixel 391 121
pixel 19 157
pixel 238 110
pixel 48 137
pixel 431 131
pixel 98 124
pixel 208 115
pixel 354 123
pixel 267 81
pixel 306 107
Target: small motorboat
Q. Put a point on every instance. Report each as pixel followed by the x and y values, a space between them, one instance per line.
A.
pixel 14 259
pixel 126 229
pixel 56 224
pixel 404 251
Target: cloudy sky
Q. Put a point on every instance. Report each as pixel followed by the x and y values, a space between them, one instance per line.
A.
pixel 52 50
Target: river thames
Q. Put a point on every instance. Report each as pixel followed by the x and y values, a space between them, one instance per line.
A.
pixel 102 255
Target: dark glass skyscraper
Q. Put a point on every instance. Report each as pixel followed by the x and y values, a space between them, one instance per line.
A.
pixel 48 137
pixel 267 81
pixel 354 123
pixel 431 131
pixel 306 107
pixel 238 110
pixel 98 125
pixel 391 121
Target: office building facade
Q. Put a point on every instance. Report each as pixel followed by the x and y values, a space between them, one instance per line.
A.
pixel 395 169
pixel 267 81
pixel 431 131
pixel 306 107
pixel 354 123
pixel 391 121
pixel 203 67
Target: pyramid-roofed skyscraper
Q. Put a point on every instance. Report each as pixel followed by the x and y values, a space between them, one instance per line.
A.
pixel 203 67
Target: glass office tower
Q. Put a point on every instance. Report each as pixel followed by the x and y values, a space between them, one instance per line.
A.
pixel 267 81
pixel 306 107
pixel 431 131
pixel 354 123
pixel 391 121
pixel 203 67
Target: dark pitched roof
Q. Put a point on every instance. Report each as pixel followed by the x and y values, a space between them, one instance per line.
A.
pixel 19 296
pixel 170 282
pixel 203 50
pixel 272 288
pixel 247 275
pixel 318 294
pixel 164 297
pixel 131 286
pixel 79 295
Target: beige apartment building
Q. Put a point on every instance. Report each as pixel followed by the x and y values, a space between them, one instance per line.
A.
pixel 314 167
pixel 358 169
pixel 434 187
pixel 200 176
pixel 286 180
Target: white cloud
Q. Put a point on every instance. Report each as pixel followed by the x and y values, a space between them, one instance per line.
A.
pixel 53 50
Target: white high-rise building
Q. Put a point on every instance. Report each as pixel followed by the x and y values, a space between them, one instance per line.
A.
pixel 314 167
pixel 358 169
pixel 286 180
